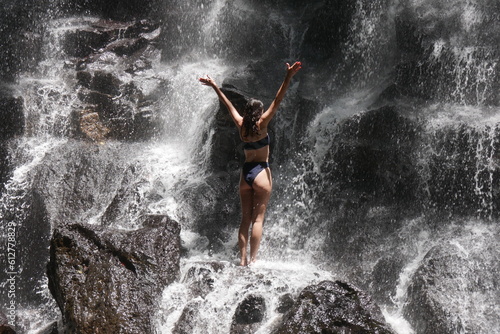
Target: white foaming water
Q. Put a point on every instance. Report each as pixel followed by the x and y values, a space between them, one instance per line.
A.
pixel 229 286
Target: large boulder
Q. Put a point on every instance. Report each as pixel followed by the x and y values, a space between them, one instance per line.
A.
pixel 333 307
pixel 108 281
pixel 455 289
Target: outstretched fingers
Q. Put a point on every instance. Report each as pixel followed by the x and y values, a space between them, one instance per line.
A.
pixel 294 68
pixel 207 81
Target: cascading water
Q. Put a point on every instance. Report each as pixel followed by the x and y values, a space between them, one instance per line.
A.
pixel 385 151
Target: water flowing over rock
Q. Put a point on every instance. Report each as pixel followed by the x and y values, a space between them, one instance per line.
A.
pixel 109 281
pixel 372 156
pixel 119 97
pixel 333 307
pixel 453 281
pixel 384 155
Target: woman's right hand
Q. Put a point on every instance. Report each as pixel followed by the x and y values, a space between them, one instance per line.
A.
pixel 208 81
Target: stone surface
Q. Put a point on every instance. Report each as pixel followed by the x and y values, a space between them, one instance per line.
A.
pixel 5 328
pixel 11 116
pixel 248 315
pixel 455 289
pixel 333 307
pixel 373 154
pixel 108 281
pixel 112 59
pixel 185 323
pixel 200 278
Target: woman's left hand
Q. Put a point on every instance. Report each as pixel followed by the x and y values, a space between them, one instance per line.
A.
pixel 292 70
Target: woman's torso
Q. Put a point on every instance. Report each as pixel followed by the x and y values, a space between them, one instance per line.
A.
pixel 260 154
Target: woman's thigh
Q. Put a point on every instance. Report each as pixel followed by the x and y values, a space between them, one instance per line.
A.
pixel 262 187
pixel 246 199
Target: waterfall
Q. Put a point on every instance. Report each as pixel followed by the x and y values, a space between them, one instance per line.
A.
pixel 384 153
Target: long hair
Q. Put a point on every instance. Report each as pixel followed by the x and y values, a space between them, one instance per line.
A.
pixel 251 114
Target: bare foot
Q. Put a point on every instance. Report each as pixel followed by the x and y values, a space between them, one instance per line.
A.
pixel 244 262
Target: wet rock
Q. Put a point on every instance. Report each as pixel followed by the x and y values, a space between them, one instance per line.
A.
pixel 453 72
pixel 108 281
pixel 11 116
pixel 126 46
pixel 453 282
pixel 285 303
pixel 333 307
pixel 92 127
pixel 384 278
pixel 105 83
pixel 5 328
pixel 373 154
pixel 459 181
pixel 81 43
pixel 185 323
pixel 248 315
pixel 4 165
pixel 127 106
pixel 200 277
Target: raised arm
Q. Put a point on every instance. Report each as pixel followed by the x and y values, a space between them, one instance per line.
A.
pixel 271 111
pixel 238 120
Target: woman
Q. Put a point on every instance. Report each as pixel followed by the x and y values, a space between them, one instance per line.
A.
pixel 255 181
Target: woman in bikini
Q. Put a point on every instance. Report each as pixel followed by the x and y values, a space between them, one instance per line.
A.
pixel 255 181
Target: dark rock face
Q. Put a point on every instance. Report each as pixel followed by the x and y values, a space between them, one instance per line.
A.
pixel 452 283
pixel 431 72
pixel 384 278
pixel 11 125
pixel 108 281
pixel 11 116
pixel 373 155
pixel 333 307
pixel 120 9
pixel 461 178
pixel 248 315
pixel 110 57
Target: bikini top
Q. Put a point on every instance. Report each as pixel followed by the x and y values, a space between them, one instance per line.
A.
pixel 257 144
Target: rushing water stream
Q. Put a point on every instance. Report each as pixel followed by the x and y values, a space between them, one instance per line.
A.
pixel 325 220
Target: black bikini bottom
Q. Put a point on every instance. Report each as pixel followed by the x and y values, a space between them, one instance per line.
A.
pixel 252 169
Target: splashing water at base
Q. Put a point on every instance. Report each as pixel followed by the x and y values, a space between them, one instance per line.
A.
pixel 229 285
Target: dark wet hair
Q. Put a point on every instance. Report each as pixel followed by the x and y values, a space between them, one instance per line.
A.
pixel 251 114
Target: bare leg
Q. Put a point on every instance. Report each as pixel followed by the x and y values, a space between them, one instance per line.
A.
pixel 246 195
pixel 262 187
